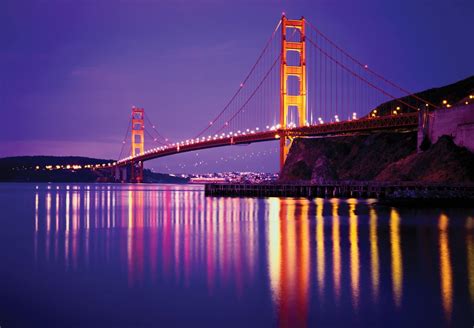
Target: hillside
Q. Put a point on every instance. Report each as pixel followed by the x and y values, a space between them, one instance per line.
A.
pixel 443 162
pixel 382 157
pixel 386 157
pixel 454 94
pixel 33 169
pixel 347 158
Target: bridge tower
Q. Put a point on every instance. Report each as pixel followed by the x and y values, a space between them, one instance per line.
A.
pixel 292 27
pixel 138 143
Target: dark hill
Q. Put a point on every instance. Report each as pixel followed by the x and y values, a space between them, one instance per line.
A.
pixel 454 93
pixel 443 162
pixel 33 169
pixel 360 157
pixel 383 157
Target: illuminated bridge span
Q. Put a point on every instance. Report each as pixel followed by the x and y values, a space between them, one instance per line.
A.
pixel 302 84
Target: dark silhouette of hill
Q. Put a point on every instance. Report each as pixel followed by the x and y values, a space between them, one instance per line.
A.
pixel 33 169
pixel 455 93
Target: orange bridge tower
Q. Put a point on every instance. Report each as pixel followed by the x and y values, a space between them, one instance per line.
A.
pixel 292 40
pixel 138 143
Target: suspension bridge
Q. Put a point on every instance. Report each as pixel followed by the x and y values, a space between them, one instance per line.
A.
pixel 302 84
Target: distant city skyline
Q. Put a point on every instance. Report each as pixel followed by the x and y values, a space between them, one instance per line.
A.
pixel 72 71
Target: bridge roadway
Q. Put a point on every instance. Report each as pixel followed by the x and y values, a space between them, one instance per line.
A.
pixel 407 121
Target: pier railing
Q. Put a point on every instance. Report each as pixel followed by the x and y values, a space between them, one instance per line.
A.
pixel 381 190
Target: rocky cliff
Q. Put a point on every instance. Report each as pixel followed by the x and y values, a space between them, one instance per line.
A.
pixel 383 157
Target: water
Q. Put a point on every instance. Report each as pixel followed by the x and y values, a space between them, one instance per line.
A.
pixel 163 255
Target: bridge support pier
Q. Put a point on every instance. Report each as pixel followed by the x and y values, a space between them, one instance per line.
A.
pixel 120 174
pixel 136 172
pixel 116 173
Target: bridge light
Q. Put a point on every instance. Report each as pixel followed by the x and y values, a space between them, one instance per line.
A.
pixel 467 103
pixel 268 127
pixel 445 102
pixel 394 112
pixel 426 105
pixel 471 96
pixel 257 128
pixel 210 123
pixel 366 66
pixel 277 136
pixel 448 105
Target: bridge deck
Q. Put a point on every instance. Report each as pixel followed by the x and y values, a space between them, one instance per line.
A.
pixel 384 123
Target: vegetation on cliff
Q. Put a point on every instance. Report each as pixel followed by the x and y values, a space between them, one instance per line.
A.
pixel 345 158
pixel 382 157
pixel 443 162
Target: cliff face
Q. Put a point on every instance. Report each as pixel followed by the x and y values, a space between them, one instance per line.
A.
pixel 383 157
pixel 443 162
pixel 360 157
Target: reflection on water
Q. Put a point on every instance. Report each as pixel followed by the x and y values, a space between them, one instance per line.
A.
pixel 397 264
pixel 445 266
pixel 336 248
pixel 354 240
pixel 374 255
pixel 305 261
pixel 470 255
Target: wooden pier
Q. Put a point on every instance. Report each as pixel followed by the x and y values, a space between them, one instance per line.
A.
pixel 343 190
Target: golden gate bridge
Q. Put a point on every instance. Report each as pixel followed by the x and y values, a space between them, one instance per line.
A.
pixel 302 84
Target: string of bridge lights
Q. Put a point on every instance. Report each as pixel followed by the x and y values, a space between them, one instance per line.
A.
pixel 232 134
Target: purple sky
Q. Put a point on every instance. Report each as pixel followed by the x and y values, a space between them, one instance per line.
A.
pixel 71 70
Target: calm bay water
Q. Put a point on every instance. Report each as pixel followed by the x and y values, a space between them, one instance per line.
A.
pixel 165 255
